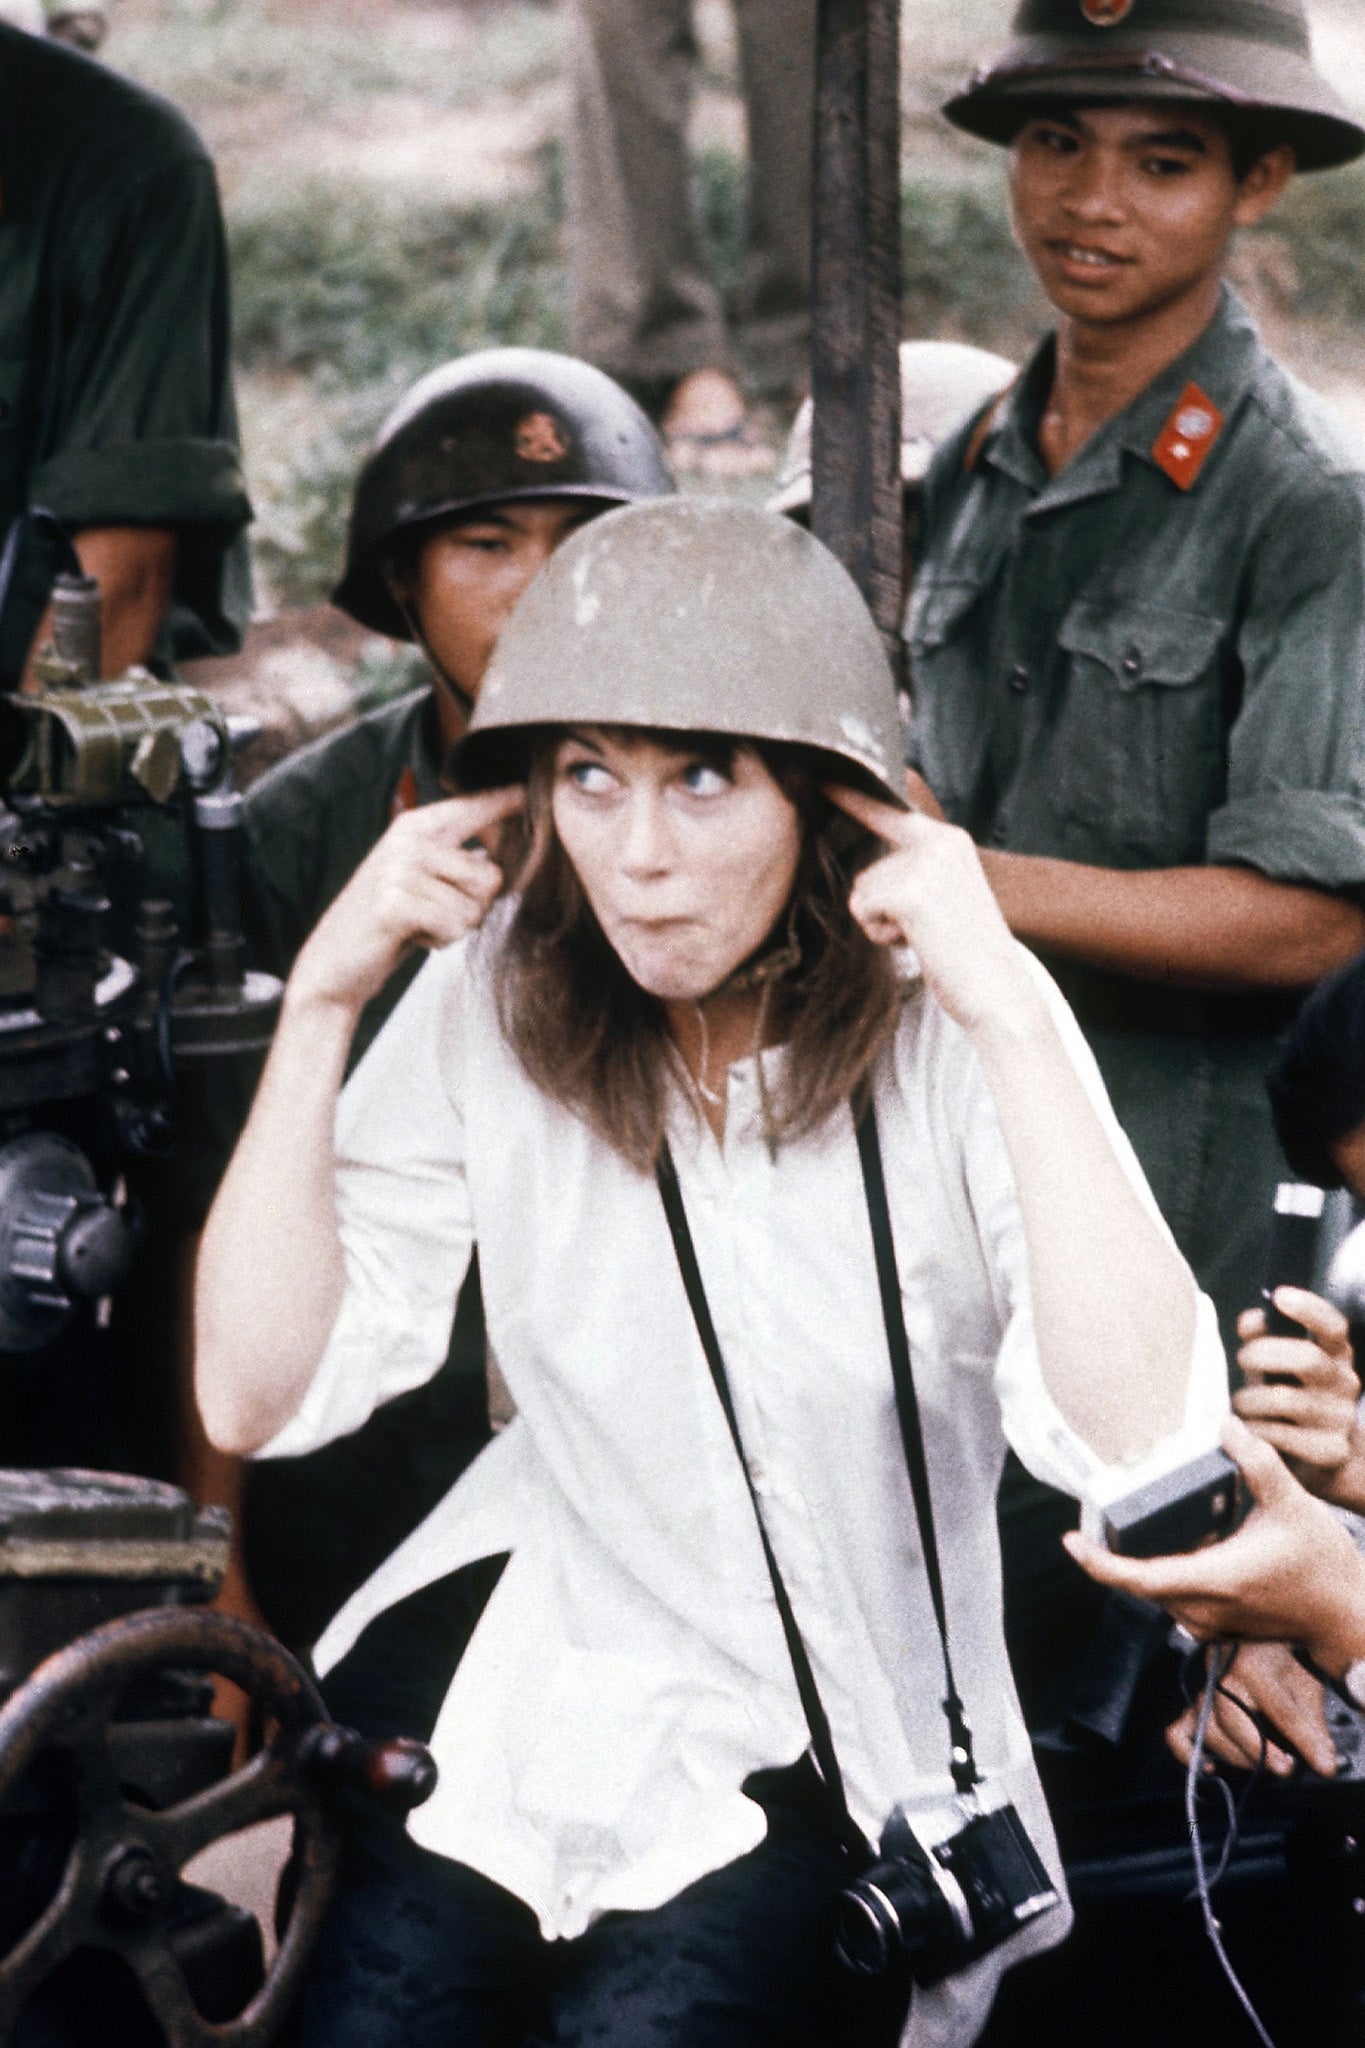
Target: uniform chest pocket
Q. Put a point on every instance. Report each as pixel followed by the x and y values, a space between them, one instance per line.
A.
pixel 1141 742
pixel 950 725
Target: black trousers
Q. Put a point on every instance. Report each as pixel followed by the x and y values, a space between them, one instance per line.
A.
pixel 422 1952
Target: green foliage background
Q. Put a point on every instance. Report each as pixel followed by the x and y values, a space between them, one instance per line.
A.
pixel 353 289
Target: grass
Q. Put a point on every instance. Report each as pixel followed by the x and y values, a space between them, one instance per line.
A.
pixel 1320 227
pixel 230 53
pixel 359 298
pixel 347 291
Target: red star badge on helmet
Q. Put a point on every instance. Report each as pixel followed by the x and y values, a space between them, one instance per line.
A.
pixel 1106 13
pixel 540 438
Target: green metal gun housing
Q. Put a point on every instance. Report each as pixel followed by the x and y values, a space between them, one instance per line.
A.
pixel 109 743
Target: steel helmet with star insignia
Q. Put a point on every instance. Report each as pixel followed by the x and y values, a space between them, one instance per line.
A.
pixel 1251 58
pixel 489 428
pixel 698 615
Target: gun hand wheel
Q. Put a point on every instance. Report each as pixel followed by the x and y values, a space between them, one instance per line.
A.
pixel 121 1871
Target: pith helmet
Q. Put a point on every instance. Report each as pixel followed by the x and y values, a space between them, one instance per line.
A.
pixel 698 615
pixel 1251 57
pixel 502 424
pixel 942 384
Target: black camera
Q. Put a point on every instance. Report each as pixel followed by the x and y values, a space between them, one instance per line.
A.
pixel 941 1908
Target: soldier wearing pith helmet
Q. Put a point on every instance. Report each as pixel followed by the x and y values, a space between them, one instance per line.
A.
pixel 1138 628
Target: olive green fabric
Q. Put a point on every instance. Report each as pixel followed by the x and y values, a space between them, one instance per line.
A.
pixel 316 1527
pixel 1112 670
pixel 693 615
pixel 1251 58
pixel 116 403
pixel 311 820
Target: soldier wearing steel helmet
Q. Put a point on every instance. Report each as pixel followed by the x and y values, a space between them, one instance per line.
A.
pixel 1138 630
pixel 474 479
pixel 669 998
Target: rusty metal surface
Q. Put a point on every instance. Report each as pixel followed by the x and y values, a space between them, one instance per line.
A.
pixel 122 1869
pixel 856 506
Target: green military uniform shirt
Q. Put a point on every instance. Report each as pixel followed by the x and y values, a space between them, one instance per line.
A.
pixel 1155 658
pixel 316 1527
pixel 311 820
pixel 116 404
pixel 1143 666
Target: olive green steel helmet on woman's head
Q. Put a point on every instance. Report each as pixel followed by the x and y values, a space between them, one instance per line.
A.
pixel 1251 58
pixel 692 615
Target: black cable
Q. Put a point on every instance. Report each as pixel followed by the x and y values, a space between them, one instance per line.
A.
pixel 1220 1663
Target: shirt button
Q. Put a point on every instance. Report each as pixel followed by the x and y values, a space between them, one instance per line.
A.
pixel 1132 662
pixel 1019 679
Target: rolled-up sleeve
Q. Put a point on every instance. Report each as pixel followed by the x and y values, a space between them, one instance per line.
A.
pixel 142 426
pixel 1048 1445
pixel 403 1211
pixel 1295 806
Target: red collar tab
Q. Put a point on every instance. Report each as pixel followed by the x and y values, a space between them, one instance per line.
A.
pixel 405 797
pixel 1187 440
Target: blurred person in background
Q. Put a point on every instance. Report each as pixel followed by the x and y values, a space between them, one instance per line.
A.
pixel 643 304
pixel 116 403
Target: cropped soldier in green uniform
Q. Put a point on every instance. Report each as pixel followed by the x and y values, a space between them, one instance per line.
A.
pixel 1138 630
pixel 116 407
pixel 480 472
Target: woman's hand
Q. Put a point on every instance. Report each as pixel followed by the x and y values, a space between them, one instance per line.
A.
pixel 1267 1679
pixel 1301 1393
pixel 1291 1574
pixel 930 893
pixel 423 885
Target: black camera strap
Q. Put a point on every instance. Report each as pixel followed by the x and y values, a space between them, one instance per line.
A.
pixel 962 1761
pixel 821 1741
pixel 965 1774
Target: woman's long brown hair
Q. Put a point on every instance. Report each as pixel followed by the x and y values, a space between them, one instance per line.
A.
pixel 592 1039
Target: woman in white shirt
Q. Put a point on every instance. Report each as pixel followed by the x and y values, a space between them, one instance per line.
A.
pixel 690 729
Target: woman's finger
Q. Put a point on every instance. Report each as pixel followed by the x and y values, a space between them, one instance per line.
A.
pixel 465 817
pixel 882 818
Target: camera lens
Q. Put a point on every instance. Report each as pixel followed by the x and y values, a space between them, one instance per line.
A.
pixel 867 1935
pixel 895 1911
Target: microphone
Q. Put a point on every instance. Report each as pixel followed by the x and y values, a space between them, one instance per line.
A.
pixel 1294 1228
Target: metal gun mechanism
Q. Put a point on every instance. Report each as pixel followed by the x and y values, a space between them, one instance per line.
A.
pixel 115 1775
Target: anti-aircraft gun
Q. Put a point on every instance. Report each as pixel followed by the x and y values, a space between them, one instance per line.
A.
pixel 119 1018
pixel 112 1019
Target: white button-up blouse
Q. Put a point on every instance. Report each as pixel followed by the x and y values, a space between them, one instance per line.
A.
pixel 630 1670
